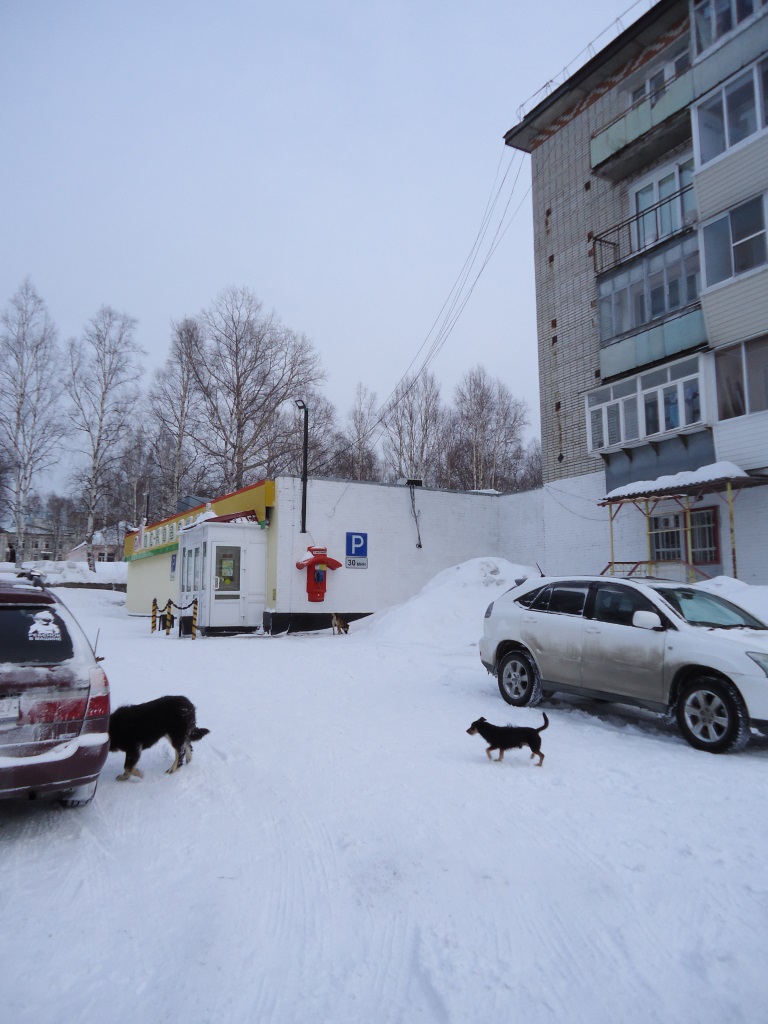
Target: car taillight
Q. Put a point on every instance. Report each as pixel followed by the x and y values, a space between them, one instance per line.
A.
pixel 98 702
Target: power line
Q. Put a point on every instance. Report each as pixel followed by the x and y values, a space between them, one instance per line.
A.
pixel 456 300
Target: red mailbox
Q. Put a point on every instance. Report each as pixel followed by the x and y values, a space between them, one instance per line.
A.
pixel 317 566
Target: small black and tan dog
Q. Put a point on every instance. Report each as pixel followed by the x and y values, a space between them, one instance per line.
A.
pixel 135 727
pixel 338 624
pixel 508 737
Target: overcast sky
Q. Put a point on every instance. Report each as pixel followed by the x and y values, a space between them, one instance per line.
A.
pixel 336 157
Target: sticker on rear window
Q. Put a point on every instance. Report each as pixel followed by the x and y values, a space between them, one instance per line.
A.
pixel 44 627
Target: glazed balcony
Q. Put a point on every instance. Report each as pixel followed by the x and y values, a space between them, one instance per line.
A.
pixel 649 128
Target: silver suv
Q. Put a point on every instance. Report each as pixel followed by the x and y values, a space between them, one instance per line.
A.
pixel 663 646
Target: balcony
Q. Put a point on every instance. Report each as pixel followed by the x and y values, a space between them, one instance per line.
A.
pixel 681 333
pixel 645 131
pixel 667 218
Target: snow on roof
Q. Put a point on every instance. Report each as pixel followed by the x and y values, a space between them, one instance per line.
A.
pixel 679 482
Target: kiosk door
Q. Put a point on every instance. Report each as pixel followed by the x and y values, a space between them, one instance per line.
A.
pixel 226 604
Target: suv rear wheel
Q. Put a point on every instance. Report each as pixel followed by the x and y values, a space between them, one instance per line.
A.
pixel 519 682
pixel 711 715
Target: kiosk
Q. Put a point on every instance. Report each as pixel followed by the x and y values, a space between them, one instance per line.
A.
pixel 223 564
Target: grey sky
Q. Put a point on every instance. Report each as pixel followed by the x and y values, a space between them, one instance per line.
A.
pixel 335 157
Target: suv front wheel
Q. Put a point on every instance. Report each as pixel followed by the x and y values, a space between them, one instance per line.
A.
pixel 711 715
pixel 519 682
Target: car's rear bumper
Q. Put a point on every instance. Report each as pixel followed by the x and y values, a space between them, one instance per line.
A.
pixel 65 766
pixel 488 654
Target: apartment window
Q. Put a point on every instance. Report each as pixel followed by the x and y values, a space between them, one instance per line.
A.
pixel 655 84
pixel 668 542
pixel 734 113
pixel 741 375
pixel 648 289
pixel 714 19
pixel 659 205
pixel 657 402
pixel 736 242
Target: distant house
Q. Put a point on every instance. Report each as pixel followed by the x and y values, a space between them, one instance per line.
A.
pixel 40 543
pixel 107 546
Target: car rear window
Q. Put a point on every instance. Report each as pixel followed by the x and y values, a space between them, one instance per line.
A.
pixel 562 598
pixel 34 635
pixel 568 600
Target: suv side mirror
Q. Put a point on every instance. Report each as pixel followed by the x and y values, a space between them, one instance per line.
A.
pixel 646 620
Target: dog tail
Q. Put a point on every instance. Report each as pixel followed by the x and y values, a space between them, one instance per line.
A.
pixel 197 734
pixel 546 722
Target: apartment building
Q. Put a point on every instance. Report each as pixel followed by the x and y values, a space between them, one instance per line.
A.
pixel 650 204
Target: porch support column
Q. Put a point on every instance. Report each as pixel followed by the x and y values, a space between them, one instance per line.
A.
pixel 610 521
pixel 688 541
pixel 732 525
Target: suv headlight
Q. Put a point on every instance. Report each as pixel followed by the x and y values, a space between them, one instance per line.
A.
pixel 489 609
pixel 761 659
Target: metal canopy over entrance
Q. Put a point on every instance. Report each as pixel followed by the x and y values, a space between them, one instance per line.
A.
pixel 726 483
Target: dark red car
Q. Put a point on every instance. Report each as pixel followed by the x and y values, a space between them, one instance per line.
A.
pixel 54 699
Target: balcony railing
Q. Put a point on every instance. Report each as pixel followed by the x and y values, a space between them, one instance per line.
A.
pixel 678 570
pixel 665 219
pixel 645 131
pixel 653 97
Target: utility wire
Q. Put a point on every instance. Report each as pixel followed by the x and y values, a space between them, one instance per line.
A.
pixel 456 301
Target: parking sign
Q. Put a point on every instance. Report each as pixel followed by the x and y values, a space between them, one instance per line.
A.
pixel 357 551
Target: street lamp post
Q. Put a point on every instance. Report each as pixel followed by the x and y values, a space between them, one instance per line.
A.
pixel 303 407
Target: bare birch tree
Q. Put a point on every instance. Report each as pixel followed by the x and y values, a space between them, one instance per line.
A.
pixel 31 424
pixel 247 366
pixel 412 429
pixel 356 457
pixel 102 383
pixel 487 446
pixel 176 415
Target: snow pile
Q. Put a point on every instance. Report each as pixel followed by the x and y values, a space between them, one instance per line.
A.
pixel 56 573
pixel 754 599
pixel 449 610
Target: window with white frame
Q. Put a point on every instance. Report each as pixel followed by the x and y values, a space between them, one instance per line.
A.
pixel 741 375
pixel 735 242
pixel 663 203
pixel 661 401
pixel 658 79
pixel 715 19
pixel 668 542
pixel 659 284
pixel 734 113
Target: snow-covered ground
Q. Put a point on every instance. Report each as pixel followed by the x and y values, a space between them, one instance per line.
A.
pixel 340 850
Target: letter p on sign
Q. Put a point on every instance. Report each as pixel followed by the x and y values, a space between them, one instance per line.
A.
pixel 357 545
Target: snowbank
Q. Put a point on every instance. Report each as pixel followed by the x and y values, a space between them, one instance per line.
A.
pixel 74 572
pixel 449 609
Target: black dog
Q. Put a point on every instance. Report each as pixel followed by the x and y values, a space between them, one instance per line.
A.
pixel 135 727
pixel 507 737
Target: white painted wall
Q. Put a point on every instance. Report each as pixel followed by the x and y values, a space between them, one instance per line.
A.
pixel 452 527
